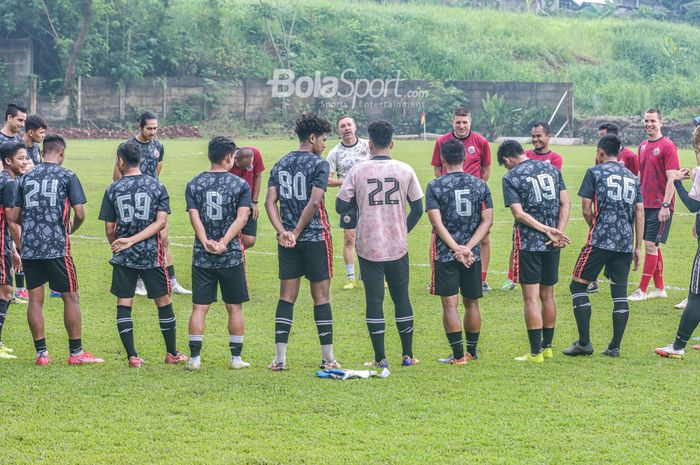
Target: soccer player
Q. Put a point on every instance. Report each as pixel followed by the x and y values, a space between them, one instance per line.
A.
pixel 691 314
pixel 152 153
pixel 614 242
pixel 627 158
pixel 460 210
pixel 135 209
pixel 298 182
pixel 540 137
pixel 34 132
pixel 350 150
pixel 45 197
pixel 14 156
pixel 219 206
pixel 15 115
pixel 477 163
pixel 248 164
pixel 658 159
pixel 536 195
pixel 380 189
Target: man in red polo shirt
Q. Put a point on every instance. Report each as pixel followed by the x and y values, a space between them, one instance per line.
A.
pixel 658 160
pixel 248 164
pixel 477 162
pixel 627 158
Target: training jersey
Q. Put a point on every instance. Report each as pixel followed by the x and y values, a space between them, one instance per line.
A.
pixel 655 158
pixel 4 138
pixel 381 188
pixel 8 193
pixel 476 150
pixel 536 186
pixel 248 174
pixel 549 157
pixel 342 157
pixel 133 202
pixel 151 154
pixel 460 197
pixel 45 195
pixel 34 153
pixel 293 177
pixel 614 191
pixel 217 197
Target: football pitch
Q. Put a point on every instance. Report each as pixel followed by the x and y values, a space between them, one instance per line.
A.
pixel 638 408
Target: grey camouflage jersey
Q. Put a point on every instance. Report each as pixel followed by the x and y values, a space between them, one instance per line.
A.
pixel 45 195
pixel 342 157
pixel 614 191
pixel 151 154
pixel 4 138
pixel 294 176
pixel 34 153
pixel 536 186
pixel 133 202
pixel 217 197
pixel 8 193
pixel 460 197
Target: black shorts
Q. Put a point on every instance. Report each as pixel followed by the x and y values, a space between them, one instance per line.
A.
pixel 395 272
pixel 6 270
pixel 58 272
pixel 591 261
pixel 231 281
pixel 156 281
pixel 451 278
pixel 652 225
pixel 536 267
pixel 251 227
pixel 348 220
pixel 314 260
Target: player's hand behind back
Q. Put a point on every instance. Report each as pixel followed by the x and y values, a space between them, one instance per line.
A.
pixel 557 238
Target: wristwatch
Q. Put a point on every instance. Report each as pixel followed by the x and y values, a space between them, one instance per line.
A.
pixel 666 205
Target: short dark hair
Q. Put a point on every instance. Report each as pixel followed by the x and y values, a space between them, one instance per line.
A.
pixel 653 110
pixel 341 117
pixel 311 123
pixel 145 116
pixel 53 143
pixel 452 151
pixel 610 144
pixel 219 147
pixel 35 122
pixel 13 108
pixel 380 134
pixel 10 148
pixel 542 124
pixel 461 111
pixel 130 152
pixel 246 151
pixel 509 149
pixel 610 128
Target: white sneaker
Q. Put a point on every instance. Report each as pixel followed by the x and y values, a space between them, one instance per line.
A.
pixel 682 304
pixel 178 289
pixel 657 294
pixel 670 352
pixel 194 364
pixel 140 288
pixel 637 296
pixel 238 364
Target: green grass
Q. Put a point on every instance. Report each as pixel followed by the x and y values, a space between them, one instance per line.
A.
pixel 636 409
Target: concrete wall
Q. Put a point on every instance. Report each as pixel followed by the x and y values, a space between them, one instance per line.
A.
pixel 17 57
pixel 105 102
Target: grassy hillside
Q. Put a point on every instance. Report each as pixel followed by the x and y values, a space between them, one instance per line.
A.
pixel 619 66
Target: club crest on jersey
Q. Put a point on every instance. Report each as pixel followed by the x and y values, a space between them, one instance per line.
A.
pixel 657 152
pixel 471 150
pixel 156 153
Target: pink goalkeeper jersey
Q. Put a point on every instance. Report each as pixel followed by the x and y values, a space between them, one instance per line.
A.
pixel 382 187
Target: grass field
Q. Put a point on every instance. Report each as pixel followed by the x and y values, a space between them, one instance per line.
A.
pixel 635 409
